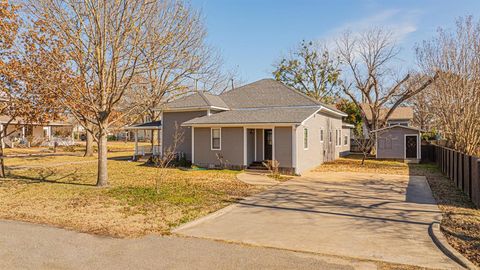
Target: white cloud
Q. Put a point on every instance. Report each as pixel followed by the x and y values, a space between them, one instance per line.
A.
pixel 399 22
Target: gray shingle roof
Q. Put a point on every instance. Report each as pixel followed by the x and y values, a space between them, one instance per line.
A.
pixel 256 116
pixel 265 93
pixel 197 100
pixel 147 125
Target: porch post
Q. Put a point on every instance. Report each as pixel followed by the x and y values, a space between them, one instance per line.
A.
pixel 255 138
pixel 294 148
pixel 244 146
pixel 273 143
pixel 136 143
pixel 23 132
pixel 193 145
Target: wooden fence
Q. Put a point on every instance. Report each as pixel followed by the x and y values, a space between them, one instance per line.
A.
pixel 462 169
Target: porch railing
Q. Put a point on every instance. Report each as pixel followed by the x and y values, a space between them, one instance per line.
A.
pixel 142 150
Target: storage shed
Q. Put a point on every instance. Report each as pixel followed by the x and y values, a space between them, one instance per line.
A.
pixel 398 142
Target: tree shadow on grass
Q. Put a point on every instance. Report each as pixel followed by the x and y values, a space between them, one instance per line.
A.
pixel 49 175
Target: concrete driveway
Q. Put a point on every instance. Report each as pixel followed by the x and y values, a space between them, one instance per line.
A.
pixel 368 216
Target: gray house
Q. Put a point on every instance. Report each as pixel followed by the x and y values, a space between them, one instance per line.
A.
pixel 264 120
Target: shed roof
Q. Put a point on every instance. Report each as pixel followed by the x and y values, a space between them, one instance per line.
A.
pixel 398 126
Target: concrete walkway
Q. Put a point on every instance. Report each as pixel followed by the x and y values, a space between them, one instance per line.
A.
pixel 31 246
pixel 256 179
pixel 370 216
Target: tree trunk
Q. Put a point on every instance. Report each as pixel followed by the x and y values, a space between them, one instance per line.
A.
pixel 2 163
pixel 102 175
pixel 89 145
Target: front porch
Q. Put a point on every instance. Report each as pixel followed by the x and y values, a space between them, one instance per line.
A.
pixel 147 150
pixel 244 147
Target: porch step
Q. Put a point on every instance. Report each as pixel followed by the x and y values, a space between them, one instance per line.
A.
pixel 256 171
pixel 258 166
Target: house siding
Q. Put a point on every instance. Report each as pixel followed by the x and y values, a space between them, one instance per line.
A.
pixel 259 144
pixel 283 146
pixel 391 142
pixel 317 152
pixel 231 147
pixel 169 121
pixel 345 148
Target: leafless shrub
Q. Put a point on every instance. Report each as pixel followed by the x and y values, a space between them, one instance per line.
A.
pixel 166 158
pixel 273 166
pixel 223 163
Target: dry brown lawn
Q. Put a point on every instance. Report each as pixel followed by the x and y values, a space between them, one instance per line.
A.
pixel 65 196
pixel 461 220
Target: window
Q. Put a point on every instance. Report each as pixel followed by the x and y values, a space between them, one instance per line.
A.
pixel 305 138
pixel 330 137
pixel 216 142
pixel 345 140
pixel 339 137
pixel 321 135
pixel 336 137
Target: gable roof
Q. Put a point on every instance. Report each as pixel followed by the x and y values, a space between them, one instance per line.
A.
pixel 400 113
pixel 398 126
pixel 197 100
pixel 286 115
pixel 266 93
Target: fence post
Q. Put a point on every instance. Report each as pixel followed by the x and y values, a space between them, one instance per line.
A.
pixel 476 182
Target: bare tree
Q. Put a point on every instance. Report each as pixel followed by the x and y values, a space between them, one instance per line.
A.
pixel 455 95
pixel 370 81
pixel 176 57
pixel 105 44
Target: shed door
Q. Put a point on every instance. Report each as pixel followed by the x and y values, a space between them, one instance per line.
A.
pixel 411 146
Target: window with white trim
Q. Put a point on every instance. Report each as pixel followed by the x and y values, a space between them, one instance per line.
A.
pixel 216 139
pixel 321 135
pixel 305 138
pixel 336 137
pixel 345 140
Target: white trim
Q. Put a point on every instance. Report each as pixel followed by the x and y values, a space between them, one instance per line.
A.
pixel 273 143
pixel 244 146
pixel 263 144
pixel 395 126
pixel 248 125
pixel 161 144
pixel 193 145
pixel 307 138
pixel 339 138
pixel 346 125
pixel 419 153
pixel 255 138
pixel 211 139
pixel 189 109
pixel 334 112
pixel 294 148
pixel 312 115
pixel 209 112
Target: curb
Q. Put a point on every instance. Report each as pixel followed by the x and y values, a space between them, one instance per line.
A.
pixel 441 242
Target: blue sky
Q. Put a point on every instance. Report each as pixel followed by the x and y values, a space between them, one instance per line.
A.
pixel 251 34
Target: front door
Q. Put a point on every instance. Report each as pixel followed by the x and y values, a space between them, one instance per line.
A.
pixel 411 146
pixel 268 143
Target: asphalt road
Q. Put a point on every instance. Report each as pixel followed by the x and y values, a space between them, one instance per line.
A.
pixel 32 246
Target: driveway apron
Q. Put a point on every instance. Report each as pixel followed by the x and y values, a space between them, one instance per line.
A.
pixel 368 216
